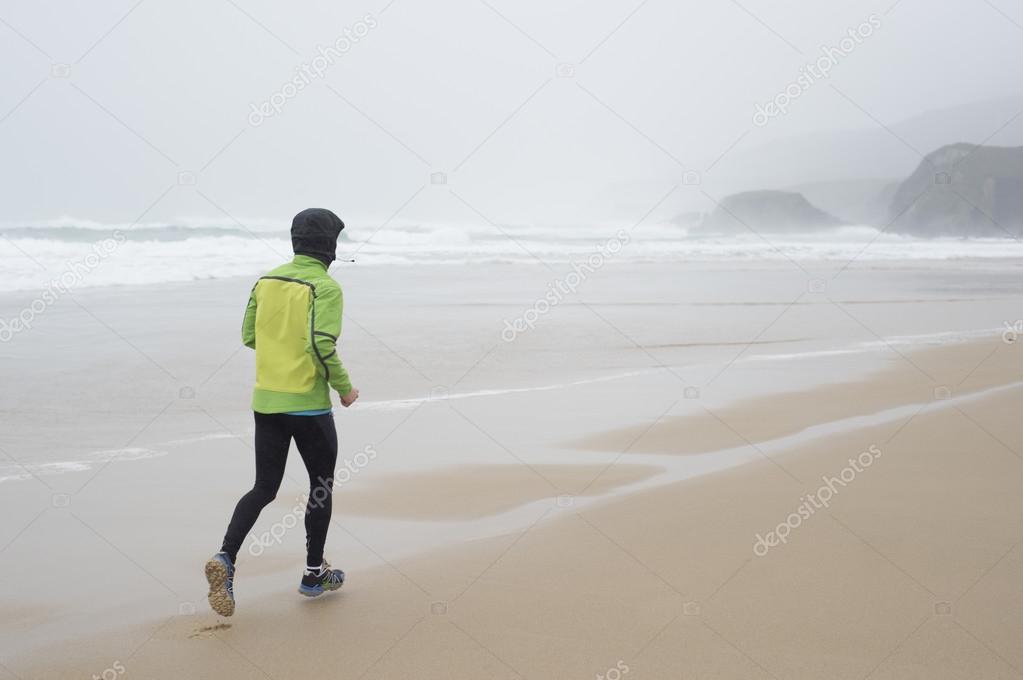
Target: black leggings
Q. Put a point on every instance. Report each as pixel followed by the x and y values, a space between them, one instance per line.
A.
pixel 316 439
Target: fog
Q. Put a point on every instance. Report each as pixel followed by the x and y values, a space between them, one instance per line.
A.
pixel 548 113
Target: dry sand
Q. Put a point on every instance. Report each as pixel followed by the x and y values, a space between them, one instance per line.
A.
pixel 914 571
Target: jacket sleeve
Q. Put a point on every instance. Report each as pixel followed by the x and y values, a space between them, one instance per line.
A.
pixel 326 328
pixel 249 322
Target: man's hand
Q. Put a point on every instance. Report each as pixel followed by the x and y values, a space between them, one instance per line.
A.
pixel 349 399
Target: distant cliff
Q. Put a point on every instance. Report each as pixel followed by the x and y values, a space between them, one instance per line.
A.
pixel 854 201
pixel 775 212
pixel 962 190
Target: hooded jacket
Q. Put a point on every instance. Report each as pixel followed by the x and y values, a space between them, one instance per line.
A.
pixel 314 232
pixel 293 321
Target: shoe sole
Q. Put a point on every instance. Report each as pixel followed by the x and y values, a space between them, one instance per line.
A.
pixel 318 590
pixel 311 592
pixel 220 601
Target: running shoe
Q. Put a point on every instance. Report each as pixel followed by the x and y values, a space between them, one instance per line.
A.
pixel 315 584
pixel 220 574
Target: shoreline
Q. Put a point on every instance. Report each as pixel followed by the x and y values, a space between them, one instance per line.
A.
pixel 836 266
pixel 411 403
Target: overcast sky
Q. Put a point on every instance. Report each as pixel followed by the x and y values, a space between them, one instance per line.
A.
pixel 535 111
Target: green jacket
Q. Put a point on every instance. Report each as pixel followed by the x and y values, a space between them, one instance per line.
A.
pixel 293 321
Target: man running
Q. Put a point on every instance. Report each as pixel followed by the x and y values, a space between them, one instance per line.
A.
pixel 293 321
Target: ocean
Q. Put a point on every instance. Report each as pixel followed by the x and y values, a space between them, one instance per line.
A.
pixel 37 257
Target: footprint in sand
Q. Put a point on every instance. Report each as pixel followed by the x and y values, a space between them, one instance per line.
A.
pixel 208 631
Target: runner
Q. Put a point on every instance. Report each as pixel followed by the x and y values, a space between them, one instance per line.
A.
pixel 293 321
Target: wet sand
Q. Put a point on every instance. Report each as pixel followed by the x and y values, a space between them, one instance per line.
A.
pixel 469 492
pixel 911 571
pixel 551 528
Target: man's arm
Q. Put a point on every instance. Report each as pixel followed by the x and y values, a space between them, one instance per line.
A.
pixel 328 309
pixel 249 322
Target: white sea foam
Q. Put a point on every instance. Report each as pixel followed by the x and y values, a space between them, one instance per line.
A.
pixel 18 471
pixel 21 471
pixel 32 257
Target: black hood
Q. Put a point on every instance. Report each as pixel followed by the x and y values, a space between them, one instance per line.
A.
pixel 314 232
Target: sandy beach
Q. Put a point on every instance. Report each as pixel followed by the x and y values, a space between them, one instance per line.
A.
pixel 615 340
pixel 584 500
